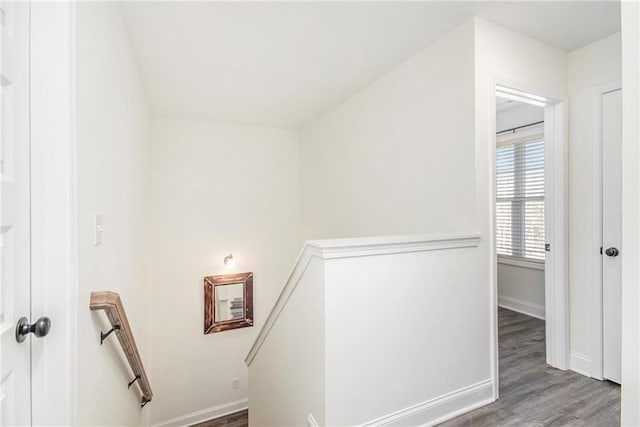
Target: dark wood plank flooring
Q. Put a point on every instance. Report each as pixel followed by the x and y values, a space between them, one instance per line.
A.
pixel 532 394
pixel 238 419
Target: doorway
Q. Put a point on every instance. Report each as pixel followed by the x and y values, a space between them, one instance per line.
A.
pixel 520 206
pixel 530 182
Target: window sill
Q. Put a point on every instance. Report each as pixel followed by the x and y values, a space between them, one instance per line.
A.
pixel 519 262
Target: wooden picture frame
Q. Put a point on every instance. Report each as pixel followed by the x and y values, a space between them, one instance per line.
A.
pixel 210 284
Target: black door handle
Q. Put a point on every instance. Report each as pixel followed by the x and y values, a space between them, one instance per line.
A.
pixel 40 328
pixel 612 251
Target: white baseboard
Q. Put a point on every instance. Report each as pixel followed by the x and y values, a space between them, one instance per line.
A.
pixel 521 306
pixel 205 414
pixel 580 363
pixel 440 409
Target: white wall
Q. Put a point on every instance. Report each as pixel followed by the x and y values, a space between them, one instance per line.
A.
pixel 505 57
pixel 413 152
pixel 380 361
pixel 520 288
pixel 589 67
pixel 287 377
pixel 552 73
pixel 217 189
pixel 630 213
pixel 365 318
pixel 398 157
pixel 113 178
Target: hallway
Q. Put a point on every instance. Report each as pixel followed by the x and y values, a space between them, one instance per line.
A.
pixel 532 393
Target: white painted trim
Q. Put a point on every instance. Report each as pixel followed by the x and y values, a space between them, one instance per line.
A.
pixel 54 217
pixel 535 265
pixel 292 282
pixel 491 238
pixel 581 363
pixel 630 399
pixel 74 312
pixel 205 414
pixel 556 227
pixel 521 306
pixel 596 319
pixel 311 422
pixel 440 409
pixel 367 246
pixel 551 343
pixel 348 248
pixel 556 231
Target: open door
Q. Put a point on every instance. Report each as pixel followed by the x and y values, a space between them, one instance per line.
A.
pixel 15 226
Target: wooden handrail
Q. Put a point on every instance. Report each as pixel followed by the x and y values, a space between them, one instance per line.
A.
pixel 111 303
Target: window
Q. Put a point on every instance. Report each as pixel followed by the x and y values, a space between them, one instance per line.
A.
pixel 520 197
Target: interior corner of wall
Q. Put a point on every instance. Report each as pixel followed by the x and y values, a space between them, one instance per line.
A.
pixel 476 21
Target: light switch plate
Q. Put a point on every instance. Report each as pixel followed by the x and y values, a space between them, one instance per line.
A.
pixel 99 229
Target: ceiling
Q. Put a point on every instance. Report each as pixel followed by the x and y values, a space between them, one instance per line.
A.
pixel 503 104
pixel 282 64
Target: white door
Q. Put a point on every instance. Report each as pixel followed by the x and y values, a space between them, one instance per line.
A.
pixel 611 234
pixel 15 244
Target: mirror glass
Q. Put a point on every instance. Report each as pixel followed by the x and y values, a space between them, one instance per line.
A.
pixel 229 302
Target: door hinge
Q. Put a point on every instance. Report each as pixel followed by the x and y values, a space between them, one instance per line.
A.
pixel 547 247
pixel 600 250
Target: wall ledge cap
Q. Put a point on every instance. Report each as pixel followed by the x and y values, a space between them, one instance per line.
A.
pixel 383 245
pixel 355 247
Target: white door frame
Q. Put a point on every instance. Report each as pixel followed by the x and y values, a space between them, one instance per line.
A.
pixel 596 323
pixel 556 224
pixel 556 286
pixel 54 211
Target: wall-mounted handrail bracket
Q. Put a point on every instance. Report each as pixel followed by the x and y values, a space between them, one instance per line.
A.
pixel 104 336
pixel 111 304
pixel 133 381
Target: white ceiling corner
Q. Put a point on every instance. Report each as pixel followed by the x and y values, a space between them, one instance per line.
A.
pixel 281 64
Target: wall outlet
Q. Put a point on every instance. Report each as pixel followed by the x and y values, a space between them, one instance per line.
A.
pixel 99 229
pixel 235 383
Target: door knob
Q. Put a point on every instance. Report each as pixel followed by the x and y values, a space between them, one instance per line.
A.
pixel 40 328
pixel 612 251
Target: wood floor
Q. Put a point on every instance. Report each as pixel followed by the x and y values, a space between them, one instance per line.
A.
pixel 531 393
pixel 239 419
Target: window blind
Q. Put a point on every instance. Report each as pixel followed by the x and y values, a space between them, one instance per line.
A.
pixel 520 199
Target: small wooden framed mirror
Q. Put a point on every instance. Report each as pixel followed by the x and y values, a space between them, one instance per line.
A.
pixel 228 302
